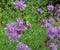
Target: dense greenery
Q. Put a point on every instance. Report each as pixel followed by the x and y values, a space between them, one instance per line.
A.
pixel 36 36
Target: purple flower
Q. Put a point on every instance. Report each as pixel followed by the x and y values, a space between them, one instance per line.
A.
pixel 20 31
pixel 52 33
pixel 20 4
pixel 15 37
pixel 57 12
pixel 20 24
pixel 40 11
pixel 13 33
pixel 51 37
pixel 50 7
pixel 11 28
pixel 43 23
pixel 16 29
pixel 22 46
pixel 48 25
pixel 53 46
pixel 59 30
pixel 51 20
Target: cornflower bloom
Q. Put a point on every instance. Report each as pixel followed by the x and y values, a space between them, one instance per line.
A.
pixel 50 7
pixel 22 46
pixel 21 5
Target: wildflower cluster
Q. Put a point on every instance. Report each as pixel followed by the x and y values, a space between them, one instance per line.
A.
pixel 15 31
pixel 53 32
pixel 51 8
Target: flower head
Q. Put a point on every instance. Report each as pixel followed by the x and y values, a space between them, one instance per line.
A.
pixel 43 23
pixel 13 33
pixel 20 24
pixel 59 30
pixel 57 12
pixel 53 46
pixel 51 20
pixel 51 37
pixel 20 4
pixel 52 33
pixel 22 46
pixel 15 30
pixel 58 35
pixel 48 25
pixel 40 11
pixel 11 27
pixel 50 7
